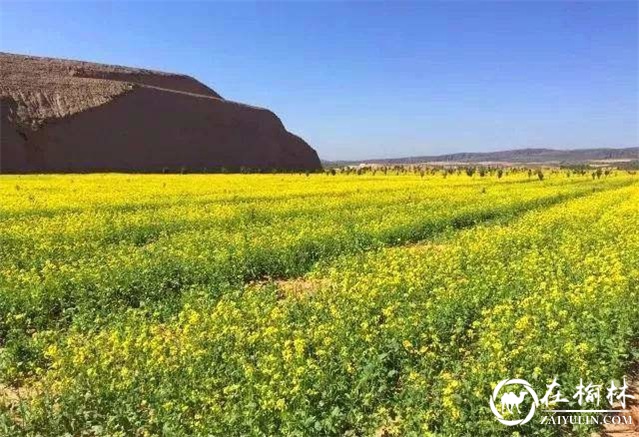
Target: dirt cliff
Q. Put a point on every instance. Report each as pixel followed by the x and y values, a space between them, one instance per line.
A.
pixel 71 116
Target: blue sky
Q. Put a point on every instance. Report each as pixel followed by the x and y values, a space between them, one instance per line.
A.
pixel 380 79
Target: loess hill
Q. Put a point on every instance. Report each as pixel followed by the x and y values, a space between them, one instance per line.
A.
pixel 72 116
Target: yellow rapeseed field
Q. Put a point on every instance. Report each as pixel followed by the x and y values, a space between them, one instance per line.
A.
pixel 299 305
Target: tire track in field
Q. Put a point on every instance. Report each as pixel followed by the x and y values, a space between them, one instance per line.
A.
pixel 303 285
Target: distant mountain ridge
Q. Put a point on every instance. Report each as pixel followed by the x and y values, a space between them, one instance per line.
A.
pixel 516 156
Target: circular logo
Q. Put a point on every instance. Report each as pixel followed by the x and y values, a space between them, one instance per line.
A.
pixel 511 401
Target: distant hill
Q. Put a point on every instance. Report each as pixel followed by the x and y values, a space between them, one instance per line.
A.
pixel 70 116
pixel 518 156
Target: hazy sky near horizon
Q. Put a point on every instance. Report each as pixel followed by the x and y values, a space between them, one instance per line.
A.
pixel 377 79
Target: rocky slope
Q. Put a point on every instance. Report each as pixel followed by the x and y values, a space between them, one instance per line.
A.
pixel 70 116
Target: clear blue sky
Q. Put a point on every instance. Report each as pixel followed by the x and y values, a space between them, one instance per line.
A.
pixel 360 80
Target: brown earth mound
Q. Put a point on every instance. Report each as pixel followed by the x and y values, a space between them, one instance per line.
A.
pixel 70 116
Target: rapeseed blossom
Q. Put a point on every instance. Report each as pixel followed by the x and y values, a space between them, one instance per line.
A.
pixel 161 309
